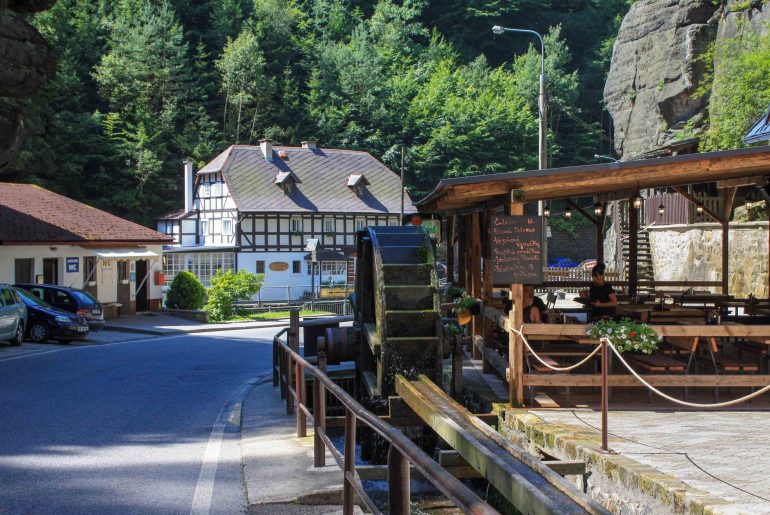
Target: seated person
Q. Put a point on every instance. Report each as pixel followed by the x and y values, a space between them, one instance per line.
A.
pixel 601 295
pixel 534 307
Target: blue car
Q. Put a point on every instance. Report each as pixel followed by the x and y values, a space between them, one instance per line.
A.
pixel 45 321
pixel 13 315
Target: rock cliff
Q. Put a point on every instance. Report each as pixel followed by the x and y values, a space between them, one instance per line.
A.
pixel 26 63
pixel 656 69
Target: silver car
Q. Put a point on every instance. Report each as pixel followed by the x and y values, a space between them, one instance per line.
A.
pixel 13 315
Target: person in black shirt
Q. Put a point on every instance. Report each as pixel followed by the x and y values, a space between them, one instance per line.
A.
pixel 534 307
pixel 601 295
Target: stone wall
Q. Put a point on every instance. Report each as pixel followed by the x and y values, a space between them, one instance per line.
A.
pixel 694 253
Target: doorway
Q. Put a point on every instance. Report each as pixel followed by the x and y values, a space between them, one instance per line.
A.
pixel 89 275
pixel 51 270
pixel 25 269
pixel 141 285
pixel 124 288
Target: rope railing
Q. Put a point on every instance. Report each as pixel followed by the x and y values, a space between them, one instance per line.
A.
pixel 585 360
pixel 678 401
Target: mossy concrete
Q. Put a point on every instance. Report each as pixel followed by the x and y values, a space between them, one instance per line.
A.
pixel 621 484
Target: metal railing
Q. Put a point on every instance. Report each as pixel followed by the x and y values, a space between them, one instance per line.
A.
pixel 338 307
pixel 290 371
pixel 298 294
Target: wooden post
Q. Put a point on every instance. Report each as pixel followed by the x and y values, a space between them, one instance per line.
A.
pixel 600 233
pixel 728 197
pixel 515 345
pixel 476 325
pixel 487 253
pixel 450 250
pixel 398 482
pixel 349 464
pixel 633 248
pixel 462 249
pixel 299 387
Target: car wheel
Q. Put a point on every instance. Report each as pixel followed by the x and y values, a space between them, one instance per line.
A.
pixel 16 341
pixel 39 332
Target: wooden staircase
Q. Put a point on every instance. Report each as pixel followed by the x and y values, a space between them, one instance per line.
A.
pixel 644 259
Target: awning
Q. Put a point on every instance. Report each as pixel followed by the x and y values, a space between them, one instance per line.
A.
pixel 123 253
pixel 327 255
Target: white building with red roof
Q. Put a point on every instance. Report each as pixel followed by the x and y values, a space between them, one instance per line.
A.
pixel 47 238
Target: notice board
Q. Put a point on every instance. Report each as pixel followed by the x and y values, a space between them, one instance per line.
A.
pixel 517 254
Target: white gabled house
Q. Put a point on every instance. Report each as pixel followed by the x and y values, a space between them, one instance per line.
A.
pixel 254 208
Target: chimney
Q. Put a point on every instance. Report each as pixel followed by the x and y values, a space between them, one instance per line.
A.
pixel 308 144
pixel 188 186
pixel 267 149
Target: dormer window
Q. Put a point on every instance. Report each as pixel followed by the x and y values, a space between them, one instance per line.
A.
pixel 287 181
pixel 358 183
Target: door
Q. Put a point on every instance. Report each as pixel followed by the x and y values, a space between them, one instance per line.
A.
pixel 124 287
pixel 141 285
pixel 89 275
pixel 51 271
pixel 6 319
pixel 24 271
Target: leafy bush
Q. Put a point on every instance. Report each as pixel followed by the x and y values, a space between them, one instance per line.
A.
pixel 454 292
pixel 186 292
pixel 627 335
pixel 228 287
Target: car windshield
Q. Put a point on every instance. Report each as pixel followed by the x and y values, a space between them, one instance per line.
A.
pixel 31 299
pixel 84 297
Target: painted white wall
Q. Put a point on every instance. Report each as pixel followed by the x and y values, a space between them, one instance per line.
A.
pixel 276 282
pixel 106 270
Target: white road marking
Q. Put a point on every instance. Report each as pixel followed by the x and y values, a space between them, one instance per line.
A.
pixel 204 490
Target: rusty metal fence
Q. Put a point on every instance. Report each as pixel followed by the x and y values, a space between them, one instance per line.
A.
pixel 290 371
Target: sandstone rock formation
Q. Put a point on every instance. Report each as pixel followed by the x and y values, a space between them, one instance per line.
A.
pixel 656 67
pixel 26 63
pixel 654 71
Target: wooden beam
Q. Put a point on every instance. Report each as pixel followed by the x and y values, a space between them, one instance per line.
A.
pixel 728 197
pixel 695 201
pixel 743 181
pixel 450 250
pixel 515 344
pixel 462 251
pixel 633 248
pixel 706 381
pixel 600 234
pixel 583 212
pixel 487 286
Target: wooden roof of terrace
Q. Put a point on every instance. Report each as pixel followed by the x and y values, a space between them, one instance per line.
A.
pixel 588 180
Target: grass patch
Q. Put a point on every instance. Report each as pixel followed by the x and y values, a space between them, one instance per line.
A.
pixel 274 315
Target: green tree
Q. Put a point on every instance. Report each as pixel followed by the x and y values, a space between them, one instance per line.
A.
pixel 229 287
pixel 185 292
pixel 740 91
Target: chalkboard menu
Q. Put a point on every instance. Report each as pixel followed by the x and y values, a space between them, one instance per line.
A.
pixel 517 256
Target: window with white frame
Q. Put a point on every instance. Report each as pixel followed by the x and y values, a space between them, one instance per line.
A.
pixel 360 224
pixel 205 227
pixel 334 268
pixel 295 224
pixel 205 190
pixel 392 221
pixel 328 225
pixel 227 227
pixel 216 189
pixel 203 264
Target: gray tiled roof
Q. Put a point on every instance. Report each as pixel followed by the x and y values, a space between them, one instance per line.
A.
pixel 324 177
pixel 760 131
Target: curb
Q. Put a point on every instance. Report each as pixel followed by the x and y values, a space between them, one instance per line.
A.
pixel 612 472
pixel 177 332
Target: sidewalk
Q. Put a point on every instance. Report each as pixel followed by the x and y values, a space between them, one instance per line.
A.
pixel 161 324
pixel 277 466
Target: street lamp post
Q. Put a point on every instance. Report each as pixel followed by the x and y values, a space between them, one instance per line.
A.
pixel 542 146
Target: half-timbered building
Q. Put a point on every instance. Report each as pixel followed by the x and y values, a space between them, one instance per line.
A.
pixel 254 208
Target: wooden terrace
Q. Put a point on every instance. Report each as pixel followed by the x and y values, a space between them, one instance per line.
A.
pixel 469 203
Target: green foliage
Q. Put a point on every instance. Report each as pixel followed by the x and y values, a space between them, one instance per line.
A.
pixel 454 292
pixel 143 84
pixel 467 303
pixel 229 287
pixel 627 335
pixel 186 292
pixel 741 89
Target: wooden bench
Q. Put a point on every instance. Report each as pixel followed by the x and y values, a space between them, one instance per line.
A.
pixel 657 363
pixel 729 363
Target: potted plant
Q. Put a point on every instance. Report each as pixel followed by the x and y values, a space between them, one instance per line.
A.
pixel 627 335
pixel 467 307
pixel 453 293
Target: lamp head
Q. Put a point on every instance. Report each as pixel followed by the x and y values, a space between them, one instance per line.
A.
pixel 497 29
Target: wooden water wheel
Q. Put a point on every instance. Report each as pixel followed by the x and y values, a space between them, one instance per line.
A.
pixel 397 307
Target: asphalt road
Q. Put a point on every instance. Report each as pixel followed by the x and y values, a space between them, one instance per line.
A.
pixel 144 426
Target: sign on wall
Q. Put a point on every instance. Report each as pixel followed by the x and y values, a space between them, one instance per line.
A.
pixel 73 265
pixel 279 266
pixel 517 256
